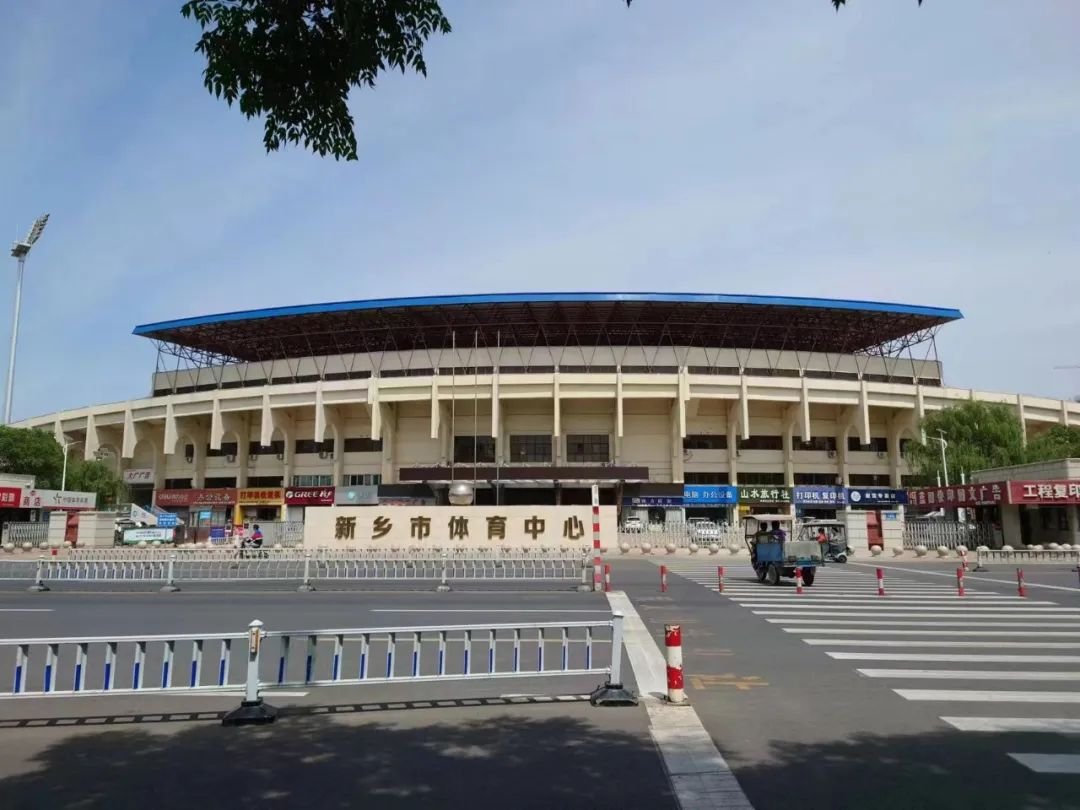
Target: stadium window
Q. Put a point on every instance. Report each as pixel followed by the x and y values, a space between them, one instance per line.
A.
pixel 707 478
pixel 309 446
pixel 273 481
pixel 177 483
pixel 361 480
pixel 275 448
pixel 816 479
pixel 819 443
pixel 363 445
pixel 905 447
pixel 227 449
pixel 762 443
pixel 701 441
pixel 869 480
pixel 312 480
pixel 588 448
pixel 484 447
pixel 758 479
pixel 220 482
pixel 878 444
pixel 531 448
pixel 910 481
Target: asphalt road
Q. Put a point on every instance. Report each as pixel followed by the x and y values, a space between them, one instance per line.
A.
pixel 477 743
pixel 835 698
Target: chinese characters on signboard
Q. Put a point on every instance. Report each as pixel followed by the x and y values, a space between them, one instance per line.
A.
pixel 1050 493
pixel 710 494
pixel 764 494
pixel 458 527
pixel 256 496
pixel 876 497
pixel 309 496
pixel 825 496
pixel 967 495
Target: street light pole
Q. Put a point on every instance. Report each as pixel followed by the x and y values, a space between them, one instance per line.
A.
pixel 63 476
pixel 20 250
pixel 944 461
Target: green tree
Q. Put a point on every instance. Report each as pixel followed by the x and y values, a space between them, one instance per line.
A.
pixel 978 435
pixel 295 61
pixel 31 452
pixel 96 476
pixel 1057 442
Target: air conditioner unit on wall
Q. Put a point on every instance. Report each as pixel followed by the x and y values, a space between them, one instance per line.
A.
pixel 280 456
pixel 832 454
pixel 882 454
pixel 231 458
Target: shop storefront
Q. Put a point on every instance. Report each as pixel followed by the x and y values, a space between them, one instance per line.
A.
pixel 881 508
pixel 140 486
pixel 1043 511
pixel 198 509
pixel 653 509
pixel 764 500
pixel 711 501
pixel 299 499
pixel 814 502
pixel 256 504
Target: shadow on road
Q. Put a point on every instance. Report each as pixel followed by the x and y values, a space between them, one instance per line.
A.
pixel 933 771
pixel 526 756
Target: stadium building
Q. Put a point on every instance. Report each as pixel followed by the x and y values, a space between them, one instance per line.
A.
pixel 675 405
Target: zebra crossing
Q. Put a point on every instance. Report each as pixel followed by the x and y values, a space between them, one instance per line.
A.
pixel 1000 662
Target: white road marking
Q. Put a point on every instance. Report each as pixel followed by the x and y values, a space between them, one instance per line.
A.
pixel 987 696
pixel 971 674
pixel 840 615
pixel 1059 725
pixel 26 610
pixel 957 659
pixel 974 578
pixel 483 610
pixel 1021 630
pixel 883 605
pixel 1015 645
pixel 1049 763
pixel 828 602
pixel 1019 625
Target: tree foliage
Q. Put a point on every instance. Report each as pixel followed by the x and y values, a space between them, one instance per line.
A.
pixel 294 62
pixel 1057 442
pixel 96 476
pixel 978 435
pixel 31 452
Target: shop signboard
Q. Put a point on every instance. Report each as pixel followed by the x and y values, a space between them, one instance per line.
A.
pixel 710 495
pixel 822 496
pixel 10 497
pixel 142 475
pixel 260 496
pixel 167 520
pixel 55 499
pixel 959 496
pixel 356 496
pixel 1044 493
pixel 764 494
pixel 309 496
pixel 873 497
pixel 195 497
pixel 654 500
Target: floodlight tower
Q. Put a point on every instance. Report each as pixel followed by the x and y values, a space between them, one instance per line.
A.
pixel 20 250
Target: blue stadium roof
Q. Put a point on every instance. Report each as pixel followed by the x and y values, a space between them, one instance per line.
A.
pixel 637 318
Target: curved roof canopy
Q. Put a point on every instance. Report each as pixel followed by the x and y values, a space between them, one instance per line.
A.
pixel 552 319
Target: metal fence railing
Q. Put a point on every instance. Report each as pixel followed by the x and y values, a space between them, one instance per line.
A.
pixel 19 534
pixel 261 660
pixel 947 533
pixel 683 535
pixel 984 556
pixel 306 569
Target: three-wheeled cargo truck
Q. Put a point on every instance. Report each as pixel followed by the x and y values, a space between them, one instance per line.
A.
pixel 774 554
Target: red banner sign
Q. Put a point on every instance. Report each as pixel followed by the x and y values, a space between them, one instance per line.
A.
pixel 10 497
pixel 1046 493
pixel 309 496
pixel 970 495
pixel 195 497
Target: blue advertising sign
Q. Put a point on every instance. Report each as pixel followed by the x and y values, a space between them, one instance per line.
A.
pixel 167 520
pixel 654 500
pixel 217 534
pixel 876 497
pixel 710 495
pixel 812 495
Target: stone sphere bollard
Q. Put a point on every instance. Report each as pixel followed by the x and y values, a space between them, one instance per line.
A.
pixel 9 547
pixel 921 551
pixel 961 551
pixel 142 544
pixel 603 549
pixel 624 548
pixel 646 548
pixel 1007 549
pixel 1036 547
pixel 714 549
pixel 942 551
pixel 982 548
pixel 876 550
pixel 897 551
pixel 671 548
pixel 27 546
pixel 1054 546
pixel 156 543
pixel 68 544
pixel 693 547
pixel 733 550
pixel 278 545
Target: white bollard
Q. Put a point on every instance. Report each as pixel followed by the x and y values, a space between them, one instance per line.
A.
pixel 673 645
pixel 714 549
pixel 876 550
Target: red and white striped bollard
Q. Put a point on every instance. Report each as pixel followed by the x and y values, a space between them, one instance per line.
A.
pixel 673 646
pixel 960 581
pixel 719 579
pixel 596 537
pixel 963 560
pixel 881 582
pixel 607 577
pixel 798 580
pixel 1021 589
pixel 663 579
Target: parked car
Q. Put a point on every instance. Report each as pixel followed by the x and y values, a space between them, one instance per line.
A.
pixel 633 523
pixel 703 529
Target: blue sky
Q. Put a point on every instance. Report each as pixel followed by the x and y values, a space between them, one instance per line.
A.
pixel 887 152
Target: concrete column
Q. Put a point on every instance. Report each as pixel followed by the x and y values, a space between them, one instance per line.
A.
pixel 389 440
pixel 733 442
pixel 791 419
pixel 172 438
pixel 864 413
pixel 1022 417
pixel 436 411
pixel 843 428
pixel 556 429
pixel 1010 526
pixel 676 444
pixel 93 440
pixel 1073 513
pixel 804 409
pixel 446 440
